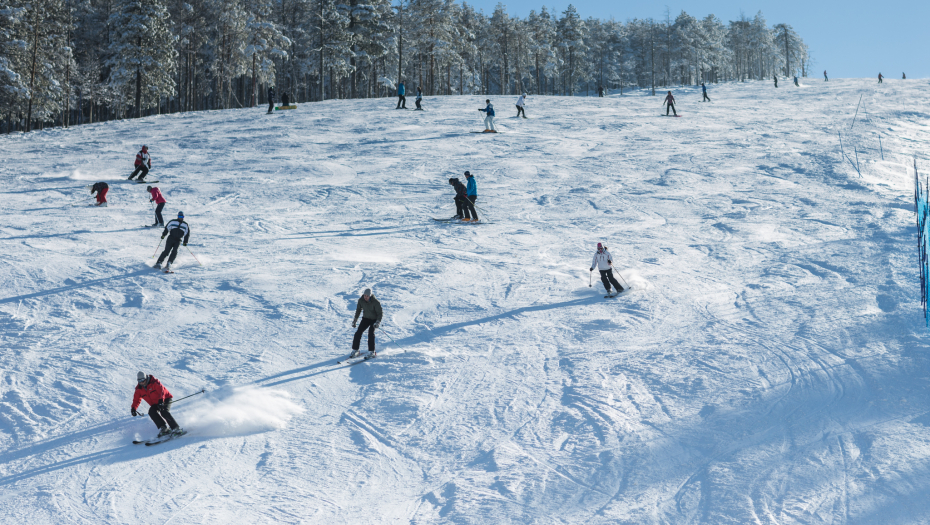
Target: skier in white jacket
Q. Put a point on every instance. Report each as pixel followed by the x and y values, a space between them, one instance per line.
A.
pixel 604 263
pixel 521 103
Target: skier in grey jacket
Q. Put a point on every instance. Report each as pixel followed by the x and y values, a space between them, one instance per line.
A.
pixel 604 263
pixel 370 310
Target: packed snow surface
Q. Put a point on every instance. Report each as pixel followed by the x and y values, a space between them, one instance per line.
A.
pixel 768 366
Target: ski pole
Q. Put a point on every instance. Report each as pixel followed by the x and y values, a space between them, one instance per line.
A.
pixel 157 247
pixel 590 277
pixel 202 390
pixel 624 280
pixel 194 256
pixel 391 338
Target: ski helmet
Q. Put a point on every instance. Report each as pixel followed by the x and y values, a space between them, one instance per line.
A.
pixel 148 188
pixel 468 174
pixel 140 376
pixel 180 214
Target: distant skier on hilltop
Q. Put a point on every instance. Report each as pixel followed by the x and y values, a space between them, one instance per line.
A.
pixel 704 91
pixel 521 104
pixel 670 104
pixel 825 79
pixel 489 118
pixel 880 77
pixel 270 100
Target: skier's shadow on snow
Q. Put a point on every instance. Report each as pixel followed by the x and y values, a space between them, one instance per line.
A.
pixel 76 286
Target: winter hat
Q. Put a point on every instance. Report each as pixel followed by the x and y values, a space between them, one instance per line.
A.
pixel 488 101
pixel 145 148
pixel 367 291
pixel 180 214
pixel 599 245
pixel 140 377
pixel 453 179
pixel 468 174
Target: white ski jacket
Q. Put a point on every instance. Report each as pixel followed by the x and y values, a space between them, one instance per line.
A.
pixel 520 101
pixel 602 260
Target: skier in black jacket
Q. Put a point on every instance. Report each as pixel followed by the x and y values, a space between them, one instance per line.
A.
pixel 271 99
pixel 461 193
pixel 176 230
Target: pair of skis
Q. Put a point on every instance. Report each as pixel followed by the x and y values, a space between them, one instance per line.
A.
pixel 357 361
pixel 156 441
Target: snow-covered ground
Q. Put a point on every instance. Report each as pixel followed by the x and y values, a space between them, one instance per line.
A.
pixel 770 365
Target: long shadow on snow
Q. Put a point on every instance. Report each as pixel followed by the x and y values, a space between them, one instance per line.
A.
pixel 85 284
pixel 76 232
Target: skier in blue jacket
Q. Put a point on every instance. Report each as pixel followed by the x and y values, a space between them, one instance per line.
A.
pixel 401 99
pixel 471 195
pixel 489 119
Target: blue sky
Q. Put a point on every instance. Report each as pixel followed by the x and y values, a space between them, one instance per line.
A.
pixel 848 39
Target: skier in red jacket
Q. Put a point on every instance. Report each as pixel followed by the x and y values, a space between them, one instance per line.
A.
pixel 159 199
pixel 159 399
pixel 143 164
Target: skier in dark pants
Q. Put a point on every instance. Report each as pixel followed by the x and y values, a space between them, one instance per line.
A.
pixel 419 98
pixel 604 263
pixel 880 77
pixel 796 81
pixel 461 195
pixel 776 80
pixel 156 197
pixel 176 230
pixel 370 310
pixel 101 189
pixel 825 79
pixel 159 399
pixel 271 99
pixel 143 164
pixel 600 91
pixel 704 90
pixel 670 104
pixel 471 196
pixel 401 99
pixel 285 99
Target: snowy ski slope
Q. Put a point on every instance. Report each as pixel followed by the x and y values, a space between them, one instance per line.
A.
pixel 770 365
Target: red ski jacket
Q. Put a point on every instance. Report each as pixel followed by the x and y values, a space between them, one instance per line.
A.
pixel 143 158
pixel 157 196
pixel 153 393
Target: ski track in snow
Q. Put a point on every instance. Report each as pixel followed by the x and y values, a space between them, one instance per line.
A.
pixel 767 367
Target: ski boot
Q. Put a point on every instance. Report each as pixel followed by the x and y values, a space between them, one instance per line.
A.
pixel 157 266
pixel 354 354
pixel 371 354
pixel 164 431
pixel 178 431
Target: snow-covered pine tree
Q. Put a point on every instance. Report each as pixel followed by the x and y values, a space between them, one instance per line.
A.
pixel 571 33
pixel 142 51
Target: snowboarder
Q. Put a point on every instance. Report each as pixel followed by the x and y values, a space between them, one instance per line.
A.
pixel 796 81
pixel 489 119
pixel 156 197
pixel 159 399
pixel 670 104
pixel 471 196
pixel 880 77
pixel 825 79
pixel 176 230
pixel 419 98
pixel 704 91
pixel 521 104
pixel 101 189
pixel 461 194
pixel 776 80
pixel 370 309
pixel 271 100
pixel 401 99
pixel 604 263
pixel 143 164
pixel 285 99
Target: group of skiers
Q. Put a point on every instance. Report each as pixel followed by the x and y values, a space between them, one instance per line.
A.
pixel 465 197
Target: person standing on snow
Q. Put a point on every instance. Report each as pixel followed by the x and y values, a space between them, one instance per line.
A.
pixel 796 81
pixel 471 195
pixel 880 77
pixel 271 100
pixel 604 263
pixel 903 76
pixel 489 119
pixel 401 99
pixel 704 90
pixel 143 164
pixel 670 104
pixel 176 230
pixel 600 91
pixel 285 99
pixel 151 391
pixel 156 197
pixel 419 98
pixel 776 80
pixel 825 79
pixel 461 195
pixel 370 310
pixel 101 189
pixel 521 104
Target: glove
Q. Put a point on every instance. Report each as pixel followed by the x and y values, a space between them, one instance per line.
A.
pixel 134 413
pixel 592 269
pixel 185 244
pixel 377 325
pixel 354 323
pixel 166 403
pixel 163 237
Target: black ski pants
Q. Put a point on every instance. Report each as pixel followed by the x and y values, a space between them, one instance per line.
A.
pixel 161 416
pixel 460 210
pixel 670 107
pixel 171 245
pixel 418 103
pixel 520 111
pixel 401 102
pixel 706 97
pixel 469 206
pixel 367 324
pixel 270 105
pixel 140 168
pixel 607 277
pixel 158 217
